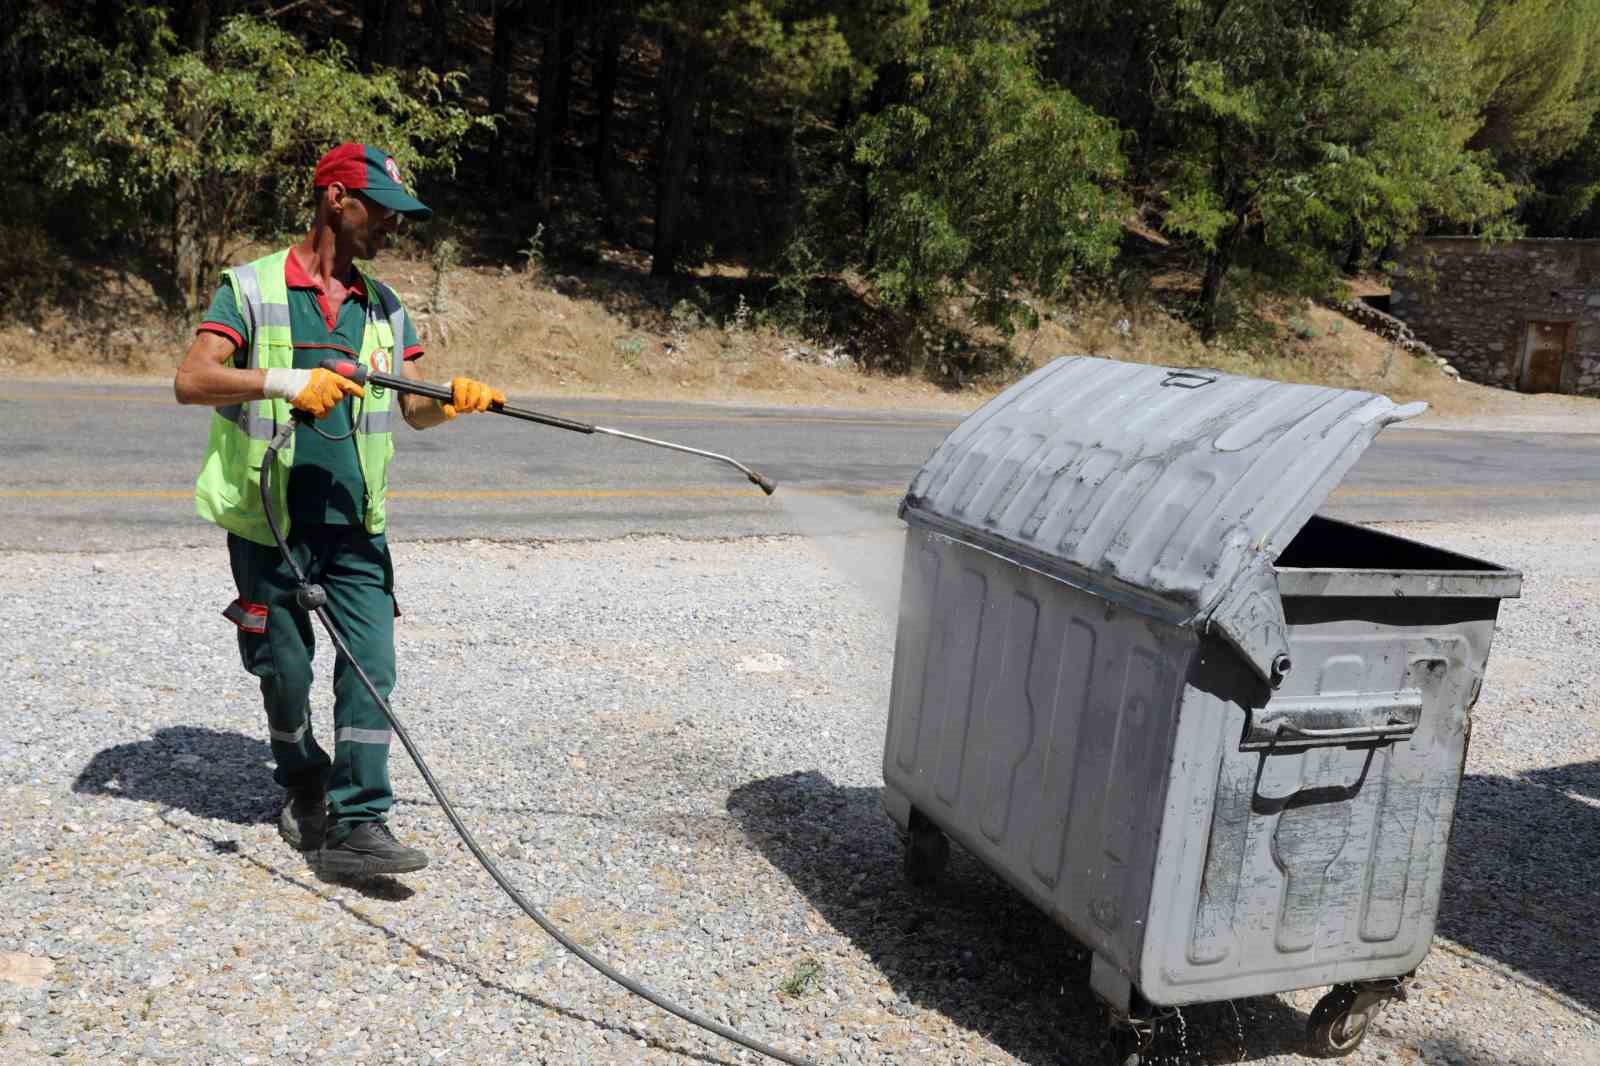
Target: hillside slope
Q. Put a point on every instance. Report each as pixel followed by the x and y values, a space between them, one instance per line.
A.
pixel 612 330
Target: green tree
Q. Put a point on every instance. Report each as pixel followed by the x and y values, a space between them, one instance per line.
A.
pixel 1536 65
pixel 211 145
pixel 1536 68
pixel 983 175
pixel 1275 134
pixel 772 64
pixel 1565 196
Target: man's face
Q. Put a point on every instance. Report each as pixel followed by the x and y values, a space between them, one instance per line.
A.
pixel 366 224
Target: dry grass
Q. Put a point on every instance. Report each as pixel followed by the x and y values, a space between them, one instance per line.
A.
pixel 1296 341
pixel 610 333
pixel 610 336
pixel 1337 352
pixel 615 332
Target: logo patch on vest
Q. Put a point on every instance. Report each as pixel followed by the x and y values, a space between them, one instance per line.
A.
pixel 380 364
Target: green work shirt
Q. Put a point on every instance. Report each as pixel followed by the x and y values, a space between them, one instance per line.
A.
pixel 325 486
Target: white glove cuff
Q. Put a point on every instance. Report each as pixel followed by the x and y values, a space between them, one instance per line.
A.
pixel 285 383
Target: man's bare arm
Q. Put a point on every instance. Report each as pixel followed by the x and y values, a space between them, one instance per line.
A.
pixel 207 376
pixel 420 412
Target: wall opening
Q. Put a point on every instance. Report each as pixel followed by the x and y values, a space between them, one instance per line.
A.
pixel 1544 357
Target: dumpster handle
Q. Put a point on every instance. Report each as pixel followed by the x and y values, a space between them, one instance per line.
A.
pixel 1389 716
pixel 1392 731
pixel 1188 379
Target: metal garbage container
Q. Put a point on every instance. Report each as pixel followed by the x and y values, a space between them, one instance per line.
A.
pixel 1214 735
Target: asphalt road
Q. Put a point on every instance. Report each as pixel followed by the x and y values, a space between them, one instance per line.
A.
pixel 101 467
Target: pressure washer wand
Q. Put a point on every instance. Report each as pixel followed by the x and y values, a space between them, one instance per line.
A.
pixel 361 375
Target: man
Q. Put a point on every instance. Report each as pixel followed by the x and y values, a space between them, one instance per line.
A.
pixel 254 357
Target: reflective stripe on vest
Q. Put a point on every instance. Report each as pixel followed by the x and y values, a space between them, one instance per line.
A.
pixel 384 333
pixel 227 490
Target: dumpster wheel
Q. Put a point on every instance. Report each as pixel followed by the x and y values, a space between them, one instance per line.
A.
pixel 1340 1020
pixel 1132 1041
pixel 927 850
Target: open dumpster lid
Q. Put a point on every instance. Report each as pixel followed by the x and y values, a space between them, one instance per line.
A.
pixel 1174 489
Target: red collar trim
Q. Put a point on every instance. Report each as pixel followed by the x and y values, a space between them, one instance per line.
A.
pixel 295 276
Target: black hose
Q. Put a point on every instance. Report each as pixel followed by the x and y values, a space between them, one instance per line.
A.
pixel 620 978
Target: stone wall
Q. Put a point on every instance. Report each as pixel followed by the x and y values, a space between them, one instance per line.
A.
pixel 1472 302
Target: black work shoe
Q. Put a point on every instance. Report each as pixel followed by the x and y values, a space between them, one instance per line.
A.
pixel 304 819
pixel 369 849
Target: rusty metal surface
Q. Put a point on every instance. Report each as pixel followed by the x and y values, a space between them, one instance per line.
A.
pixel 1297 866
pixel 1544 357
pixel 1350 582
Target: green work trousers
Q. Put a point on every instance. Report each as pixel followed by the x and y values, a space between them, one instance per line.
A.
pixel 276 643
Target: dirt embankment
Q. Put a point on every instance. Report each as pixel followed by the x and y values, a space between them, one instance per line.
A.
pixel 613 331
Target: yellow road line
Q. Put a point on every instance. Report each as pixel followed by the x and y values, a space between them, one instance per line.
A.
pixel 1571 438
pixel 454 494
pixel 96 397
pixel 96 494
pixel 1566 488
pixel 1556 488
pixel 1410 434
pixel 610 494
pixel 831 420
pixel 828 420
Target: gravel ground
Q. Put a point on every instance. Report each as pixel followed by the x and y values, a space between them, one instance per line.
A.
pixel 674 747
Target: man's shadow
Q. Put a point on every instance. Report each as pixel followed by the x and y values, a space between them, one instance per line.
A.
pixel 224 777
pixel 1520 882
pixel 221 776
pixel 227 777
pixel 969 947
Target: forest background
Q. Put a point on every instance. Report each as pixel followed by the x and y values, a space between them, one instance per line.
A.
pixel 912 183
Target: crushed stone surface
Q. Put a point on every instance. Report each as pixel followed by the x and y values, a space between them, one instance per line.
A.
pixel 674 748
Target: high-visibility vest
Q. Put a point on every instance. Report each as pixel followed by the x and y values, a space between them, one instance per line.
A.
pixel 228 490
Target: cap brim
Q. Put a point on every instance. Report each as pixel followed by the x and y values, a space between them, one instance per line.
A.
pixel 399 200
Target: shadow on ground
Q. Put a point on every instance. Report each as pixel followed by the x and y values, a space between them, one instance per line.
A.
pixel 1519 883
pixel 970 947
pixel 1517 889
pixel 226 777
pixel 223 776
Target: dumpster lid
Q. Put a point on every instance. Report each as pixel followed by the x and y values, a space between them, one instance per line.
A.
pixel 1171 488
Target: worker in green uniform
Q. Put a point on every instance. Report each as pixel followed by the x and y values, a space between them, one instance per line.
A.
pixel 255 358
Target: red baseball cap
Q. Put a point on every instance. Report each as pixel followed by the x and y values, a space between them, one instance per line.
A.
pixel 373 173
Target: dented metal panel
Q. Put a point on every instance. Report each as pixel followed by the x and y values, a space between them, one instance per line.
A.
pixel 1180 485
pixel 1137 780
pixel 1218 738
pixel 1288 866
pixel 1034 723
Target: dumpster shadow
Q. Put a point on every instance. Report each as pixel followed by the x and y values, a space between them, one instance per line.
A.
pixel 969 948
pixel 1519 883
pixel 223 776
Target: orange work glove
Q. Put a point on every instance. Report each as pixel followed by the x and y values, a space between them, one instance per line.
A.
pixel 469 397
pixel 315 391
